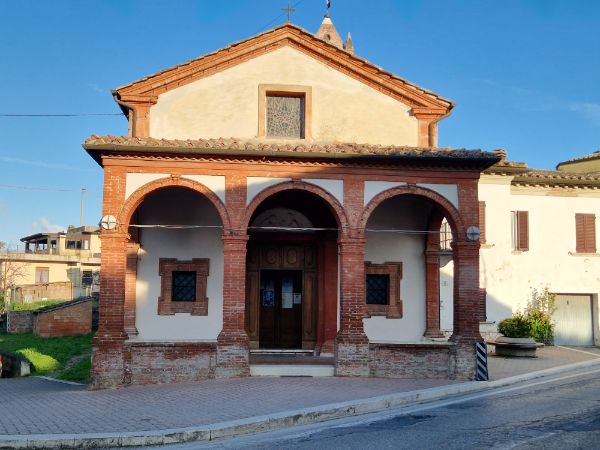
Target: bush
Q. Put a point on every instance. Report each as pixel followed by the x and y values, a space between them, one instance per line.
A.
pixel 515 327
pixel 34 305
pixel 539 314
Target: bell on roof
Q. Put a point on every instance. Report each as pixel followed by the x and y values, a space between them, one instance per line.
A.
pixel 329 34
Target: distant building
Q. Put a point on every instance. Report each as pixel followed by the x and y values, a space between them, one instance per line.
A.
pixel 65 264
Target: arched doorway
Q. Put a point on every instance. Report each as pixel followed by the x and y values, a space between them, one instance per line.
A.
pixel 292 272
pixel 407 234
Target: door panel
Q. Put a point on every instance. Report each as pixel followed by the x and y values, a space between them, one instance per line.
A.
pixel 280 317
pixel 573 319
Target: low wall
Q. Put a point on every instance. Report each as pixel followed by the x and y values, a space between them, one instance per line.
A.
pixel 19 321
pixel 418 360
pixel 168 362
pixel 60 290
pixel 66 319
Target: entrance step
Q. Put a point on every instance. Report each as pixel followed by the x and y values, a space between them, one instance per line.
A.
pixel 281 351
pixel 291 359
pixel 291 370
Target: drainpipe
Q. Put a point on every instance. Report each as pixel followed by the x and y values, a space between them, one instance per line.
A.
pixel 127 107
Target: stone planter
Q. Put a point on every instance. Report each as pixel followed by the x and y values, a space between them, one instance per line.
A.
pixel 516 347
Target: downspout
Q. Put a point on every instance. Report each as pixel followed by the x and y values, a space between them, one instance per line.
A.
pixel 127 108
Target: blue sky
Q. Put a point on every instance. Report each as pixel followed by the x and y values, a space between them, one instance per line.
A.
pixel 524 74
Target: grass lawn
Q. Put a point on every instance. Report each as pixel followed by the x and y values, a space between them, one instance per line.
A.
pixel 34 305
pixel 66 358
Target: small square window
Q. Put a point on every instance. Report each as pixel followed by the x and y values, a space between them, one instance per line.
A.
pixel 285 116
pixel 184 286
pixel 378 289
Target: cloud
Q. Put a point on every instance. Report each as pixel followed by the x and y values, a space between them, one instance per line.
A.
pixel 43 225
pixel 591 111
pixel 47 165
pixel 96 88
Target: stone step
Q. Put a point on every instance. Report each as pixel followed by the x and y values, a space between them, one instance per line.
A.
pixel 291 370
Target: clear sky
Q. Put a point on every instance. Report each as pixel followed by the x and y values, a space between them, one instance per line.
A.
pixel 524 74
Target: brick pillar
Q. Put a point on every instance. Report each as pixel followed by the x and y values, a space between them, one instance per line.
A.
pixel 107 361
pixel 467 308
pixel 352 344
pixel 432 294
pixel 233 352
pixel 130 288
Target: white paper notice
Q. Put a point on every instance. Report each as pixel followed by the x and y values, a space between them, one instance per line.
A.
pixel 297 298
pixel 287 300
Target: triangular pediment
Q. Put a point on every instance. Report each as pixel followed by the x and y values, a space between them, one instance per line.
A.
pixel 421 101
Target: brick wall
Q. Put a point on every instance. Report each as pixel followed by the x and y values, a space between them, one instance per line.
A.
pixel 168 362
pixel 412 360
pixel 19 321
pixel 68 319
pixel 61 290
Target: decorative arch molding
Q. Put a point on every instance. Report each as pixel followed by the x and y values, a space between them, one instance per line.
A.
pixel 296 185
pixel 447 208
pixel 138 196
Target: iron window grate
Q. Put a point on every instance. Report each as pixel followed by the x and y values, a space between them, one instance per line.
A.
pixel 378 287
pixel 184 286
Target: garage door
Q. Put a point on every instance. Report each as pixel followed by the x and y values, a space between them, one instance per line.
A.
pixel 573 318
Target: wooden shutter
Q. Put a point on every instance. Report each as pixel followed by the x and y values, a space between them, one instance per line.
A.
pixel 522 230
pixel 585 233
pixel 482 222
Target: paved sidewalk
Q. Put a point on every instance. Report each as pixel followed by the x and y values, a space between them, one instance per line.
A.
pixel 35 408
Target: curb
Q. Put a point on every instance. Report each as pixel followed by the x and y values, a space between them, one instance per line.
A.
pixel 272 422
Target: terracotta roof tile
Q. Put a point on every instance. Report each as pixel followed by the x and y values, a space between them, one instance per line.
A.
pixel 278 147
pixel 377 70
pixel 591 156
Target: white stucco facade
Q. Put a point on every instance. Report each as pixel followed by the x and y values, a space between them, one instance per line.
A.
pixel 343 109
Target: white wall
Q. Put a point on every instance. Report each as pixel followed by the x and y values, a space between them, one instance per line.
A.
pixel 551 262
pixel 175 207
pixel 406 214
pixel 226 104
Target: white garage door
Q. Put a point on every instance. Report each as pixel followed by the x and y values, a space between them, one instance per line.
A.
pixel 573 318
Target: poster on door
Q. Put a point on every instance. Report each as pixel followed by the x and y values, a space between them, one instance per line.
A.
pixel 268 296
pixel 287 292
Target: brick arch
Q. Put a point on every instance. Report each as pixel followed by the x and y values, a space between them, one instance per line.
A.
pixel 330 200
pixel 447 208
pixel 138 196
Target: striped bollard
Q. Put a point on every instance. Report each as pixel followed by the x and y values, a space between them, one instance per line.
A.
pixel 481 358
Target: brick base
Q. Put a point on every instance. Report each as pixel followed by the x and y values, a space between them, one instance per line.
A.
pixel 233 355
pixel 412 360
pixel 465 356
pixel 352 356
pixel 120 364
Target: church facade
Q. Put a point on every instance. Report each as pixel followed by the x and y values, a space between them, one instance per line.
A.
pixel 283 198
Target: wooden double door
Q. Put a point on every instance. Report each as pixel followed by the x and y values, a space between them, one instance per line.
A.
pixel 281 302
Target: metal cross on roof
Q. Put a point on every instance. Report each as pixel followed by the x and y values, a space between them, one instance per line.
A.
pixel 289 10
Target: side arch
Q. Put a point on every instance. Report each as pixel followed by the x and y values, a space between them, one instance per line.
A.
pixel 335 206
pixel 448 209
pixel 138 196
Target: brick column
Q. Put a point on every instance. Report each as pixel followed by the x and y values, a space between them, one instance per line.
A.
pixel 352 344
pixel 233 352
pixel 130 288
pixel 432 294
pixel 467 308
pixel 107 362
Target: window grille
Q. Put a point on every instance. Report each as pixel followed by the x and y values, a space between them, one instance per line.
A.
pixel 184 286
pixel 378 289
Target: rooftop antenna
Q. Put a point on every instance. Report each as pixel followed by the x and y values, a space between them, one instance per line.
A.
pixel 289 10
pixel 81 208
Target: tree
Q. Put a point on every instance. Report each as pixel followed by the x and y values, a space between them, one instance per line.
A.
pixel 11 272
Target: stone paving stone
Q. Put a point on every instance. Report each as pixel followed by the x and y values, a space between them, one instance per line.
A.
pixel 37 406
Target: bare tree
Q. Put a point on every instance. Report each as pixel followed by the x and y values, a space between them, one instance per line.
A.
pixel 11 272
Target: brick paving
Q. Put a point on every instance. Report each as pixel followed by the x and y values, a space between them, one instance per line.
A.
pixel 37 406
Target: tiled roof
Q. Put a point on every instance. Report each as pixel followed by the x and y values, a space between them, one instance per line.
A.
pixel 557 177
pixel 283 148
pixel 591 156
pixel 363 62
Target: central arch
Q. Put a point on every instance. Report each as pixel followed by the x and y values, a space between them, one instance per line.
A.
pixel 292 267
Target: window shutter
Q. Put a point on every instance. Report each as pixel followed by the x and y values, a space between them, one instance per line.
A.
pixel 590 233
pixel 523 230
pixel 585 233
pixel 482 222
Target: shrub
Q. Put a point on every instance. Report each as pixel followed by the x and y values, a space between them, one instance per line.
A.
pixel 539 314
pixel 515 327
pixel 34 305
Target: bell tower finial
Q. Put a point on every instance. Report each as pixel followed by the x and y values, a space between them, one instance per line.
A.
pixel 327 31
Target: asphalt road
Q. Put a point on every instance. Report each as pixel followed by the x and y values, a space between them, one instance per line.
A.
pixel 560 414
